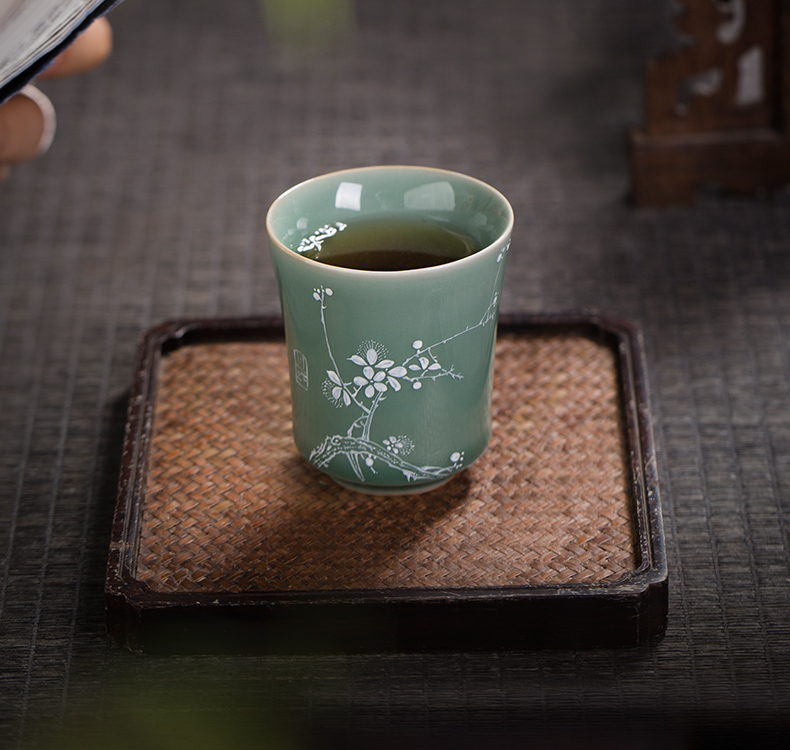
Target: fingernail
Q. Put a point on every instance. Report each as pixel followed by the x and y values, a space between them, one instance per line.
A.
pixel 42 101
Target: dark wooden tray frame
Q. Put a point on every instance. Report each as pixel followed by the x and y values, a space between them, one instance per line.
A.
pixel 627 611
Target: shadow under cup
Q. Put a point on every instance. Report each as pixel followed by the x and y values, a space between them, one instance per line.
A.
pixel 391 371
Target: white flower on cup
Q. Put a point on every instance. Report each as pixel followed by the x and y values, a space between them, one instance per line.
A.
pixel 335 391
pixel 400 446
pixel 318 293
pixel 378 373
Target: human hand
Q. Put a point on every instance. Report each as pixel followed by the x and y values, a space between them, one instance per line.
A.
pixel 27 120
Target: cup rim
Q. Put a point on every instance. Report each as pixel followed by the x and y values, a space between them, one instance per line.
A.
pixel 341 270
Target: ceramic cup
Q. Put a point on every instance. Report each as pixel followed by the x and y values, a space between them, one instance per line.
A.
pixel 391 371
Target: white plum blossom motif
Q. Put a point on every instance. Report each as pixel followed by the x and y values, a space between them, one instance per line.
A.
pixel 426 366
pixel 503 252
pixel 377 377
pixel 316 239
pixel 400 446
pixel 378 373
pixel 334 391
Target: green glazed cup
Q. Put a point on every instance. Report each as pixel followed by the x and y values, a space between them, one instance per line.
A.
pixel 391 371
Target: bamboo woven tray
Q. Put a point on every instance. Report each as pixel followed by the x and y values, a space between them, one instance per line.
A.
pixel 225 540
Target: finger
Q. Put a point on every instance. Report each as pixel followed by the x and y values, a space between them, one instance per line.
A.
pixel 89 49
pixel 27 126
pixel 5 170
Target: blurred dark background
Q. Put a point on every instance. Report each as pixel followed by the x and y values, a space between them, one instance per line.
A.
pixel 151 205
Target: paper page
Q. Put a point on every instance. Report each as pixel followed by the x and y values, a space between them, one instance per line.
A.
pixel 31 28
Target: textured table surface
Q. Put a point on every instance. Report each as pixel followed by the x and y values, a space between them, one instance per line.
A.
pixel 151 205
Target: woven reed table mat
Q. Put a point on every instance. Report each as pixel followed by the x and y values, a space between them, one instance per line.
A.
pixel 231 507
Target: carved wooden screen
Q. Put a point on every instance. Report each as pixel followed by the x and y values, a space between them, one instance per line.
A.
pixel 717 111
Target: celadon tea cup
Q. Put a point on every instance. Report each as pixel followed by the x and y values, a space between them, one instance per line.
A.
pixel 391 370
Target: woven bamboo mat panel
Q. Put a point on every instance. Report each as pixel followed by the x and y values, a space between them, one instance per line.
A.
pixel 231 507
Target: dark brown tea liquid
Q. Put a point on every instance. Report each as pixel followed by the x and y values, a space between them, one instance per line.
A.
pixel 394 245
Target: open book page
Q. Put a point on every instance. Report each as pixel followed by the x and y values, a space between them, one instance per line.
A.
pixel 31 29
